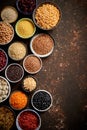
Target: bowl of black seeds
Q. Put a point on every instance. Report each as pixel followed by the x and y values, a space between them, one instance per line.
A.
pixel 14 72
pixel 41 100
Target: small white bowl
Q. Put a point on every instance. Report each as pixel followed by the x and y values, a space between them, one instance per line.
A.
pixel 32 55
pixel 32 111
pixel 13 64
pixel 42 110
pixel 41 55
pixel 9 88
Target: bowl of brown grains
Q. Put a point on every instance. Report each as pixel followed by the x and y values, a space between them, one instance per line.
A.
pixel 42 45
pixel 44 18
pixel 6 33
pixel 29 84
pixel 32 64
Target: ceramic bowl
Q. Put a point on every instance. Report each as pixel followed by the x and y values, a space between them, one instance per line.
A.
pixel 1 60
pixel 5 89
pixel 31 64
pixel 41 55
pixel 41 100
pixel 33 112
pixel 40 26
pixel 21 33
pixel 13 72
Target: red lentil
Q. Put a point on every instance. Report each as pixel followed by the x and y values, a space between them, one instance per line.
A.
pixel 28 120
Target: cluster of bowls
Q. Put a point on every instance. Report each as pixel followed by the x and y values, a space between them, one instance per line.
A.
pixel 38 56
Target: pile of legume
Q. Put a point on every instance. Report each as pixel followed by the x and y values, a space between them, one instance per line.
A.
pixel 4 89
pixel 41 100
pixel 3 59
pixel 47 16
pixel 6 33
pixel 18 100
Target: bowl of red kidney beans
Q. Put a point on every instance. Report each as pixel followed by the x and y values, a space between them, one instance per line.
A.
pixel 26 7
pixel 3 59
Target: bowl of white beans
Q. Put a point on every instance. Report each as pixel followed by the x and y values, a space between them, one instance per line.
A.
pixel 5 89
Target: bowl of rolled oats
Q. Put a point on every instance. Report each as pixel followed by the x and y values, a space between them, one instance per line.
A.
pixel 47 16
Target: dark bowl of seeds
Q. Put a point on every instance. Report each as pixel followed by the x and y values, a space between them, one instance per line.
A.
pixel 41 100
pixel 14 72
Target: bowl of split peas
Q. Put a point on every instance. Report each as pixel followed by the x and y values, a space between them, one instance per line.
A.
pixel 46 20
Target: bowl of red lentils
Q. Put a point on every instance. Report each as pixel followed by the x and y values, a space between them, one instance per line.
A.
pixel 3 59
pixel 18 100
pixel 32 64
pixel 42 45
pixel 6 33
pixel 47 15
pixel 28 119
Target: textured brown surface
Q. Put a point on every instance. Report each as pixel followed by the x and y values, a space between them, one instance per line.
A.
pixel 64 73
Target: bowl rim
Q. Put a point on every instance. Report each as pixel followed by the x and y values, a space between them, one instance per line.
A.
pixel 9 6
pixel 22 44
pixel 12 65
pixel 39 55
pixel 47 2
pixel 3 44
pixel 9 87
pixel 42 90
pixel 14 107
pixel 6 60
pixel 29 76
pixel 30 55
pixel 21 10
pixel 28 19
pixel 30 110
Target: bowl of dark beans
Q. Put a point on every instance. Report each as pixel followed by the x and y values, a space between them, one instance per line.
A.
pixel 41 100
pixel 26 7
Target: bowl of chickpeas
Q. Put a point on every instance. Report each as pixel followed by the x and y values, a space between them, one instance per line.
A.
pixel 44 18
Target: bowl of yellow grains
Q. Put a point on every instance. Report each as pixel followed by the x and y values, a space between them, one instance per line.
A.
pixel 25 28
pixel 18 100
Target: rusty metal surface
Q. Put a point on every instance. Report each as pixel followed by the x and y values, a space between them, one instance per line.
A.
pixel 64 73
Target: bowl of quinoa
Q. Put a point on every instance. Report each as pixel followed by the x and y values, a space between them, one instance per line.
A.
pixel 47 16
pixel 6 33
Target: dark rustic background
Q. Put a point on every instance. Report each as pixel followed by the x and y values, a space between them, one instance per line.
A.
pixel 64 73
